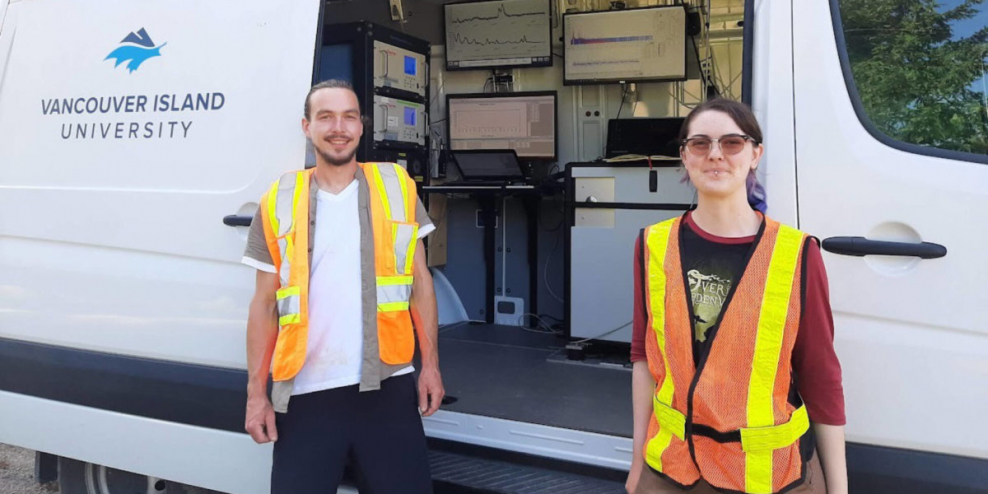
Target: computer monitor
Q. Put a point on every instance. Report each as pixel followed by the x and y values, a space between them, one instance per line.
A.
pixel 498 34
pixel 488 165
pixel 524 122
pixel 614 46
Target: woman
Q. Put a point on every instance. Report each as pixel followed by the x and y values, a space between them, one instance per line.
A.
pixel 736 386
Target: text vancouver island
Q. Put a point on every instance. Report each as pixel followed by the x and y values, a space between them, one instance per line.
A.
pixel 102 128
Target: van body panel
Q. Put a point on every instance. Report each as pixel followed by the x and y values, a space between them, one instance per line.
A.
pixel 220 460
pixel 8 21
pixel 4 5
pixel 130 255
pixel 912 334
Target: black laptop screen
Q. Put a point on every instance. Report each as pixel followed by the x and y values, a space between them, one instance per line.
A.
pixel 488 165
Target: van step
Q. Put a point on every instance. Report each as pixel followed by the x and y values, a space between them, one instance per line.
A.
pixel 459 473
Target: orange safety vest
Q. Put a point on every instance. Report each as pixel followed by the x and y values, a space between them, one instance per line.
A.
pixel 285 213
pixel 727 418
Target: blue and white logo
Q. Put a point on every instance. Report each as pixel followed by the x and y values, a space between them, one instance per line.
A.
pixel 135 49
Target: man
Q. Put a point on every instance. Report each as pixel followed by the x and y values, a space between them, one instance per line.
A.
pixel 341 276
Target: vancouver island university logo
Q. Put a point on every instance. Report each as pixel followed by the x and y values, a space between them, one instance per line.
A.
pixel 168 114
pixel 135 49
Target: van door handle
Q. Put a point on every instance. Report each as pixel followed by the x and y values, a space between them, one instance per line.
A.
pixel 237 220
pixel 860 246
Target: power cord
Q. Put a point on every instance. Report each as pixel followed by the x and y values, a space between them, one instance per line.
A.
pixel 624 96
pixel 545 272
pixel 603 334
pixel 542 324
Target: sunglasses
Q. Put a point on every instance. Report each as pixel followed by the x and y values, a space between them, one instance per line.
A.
pixel 730 144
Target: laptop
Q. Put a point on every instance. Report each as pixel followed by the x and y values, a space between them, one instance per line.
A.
pixel 488 167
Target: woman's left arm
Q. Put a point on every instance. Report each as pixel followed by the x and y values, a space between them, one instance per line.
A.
pixel 830 446
pixel 818 370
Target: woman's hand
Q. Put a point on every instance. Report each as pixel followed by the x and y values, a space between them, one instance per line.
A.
pixel 642 390
pixel 633 476
pixel 830 446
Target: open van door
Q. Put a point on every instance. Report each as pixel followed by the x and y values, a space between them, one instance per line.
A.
pixel 128 131
pixel 911 315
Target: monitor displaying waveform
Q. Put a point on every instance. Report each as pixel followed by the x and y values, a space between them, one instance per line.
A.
pixel 498 33
pixel 474 40
pixel 625 45
pixel 501 13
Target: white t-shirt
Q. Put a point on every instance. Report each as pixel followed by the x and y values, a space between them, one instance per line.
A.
pixel 336 329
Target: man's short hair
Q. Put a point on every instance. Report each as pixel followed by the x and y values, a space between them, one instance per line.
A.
pixel 332 84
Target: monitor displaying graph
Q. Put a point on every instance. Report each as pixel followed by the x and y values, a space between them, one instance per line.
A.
pixel 501 33
pixel 525 122
pixel 625 45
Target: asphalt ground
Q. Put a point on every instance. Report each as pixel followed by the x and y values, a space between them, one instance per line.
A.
pixel 17 473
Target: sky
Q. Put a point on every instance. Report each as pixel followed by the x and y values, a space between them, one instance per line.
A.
pixel 966 27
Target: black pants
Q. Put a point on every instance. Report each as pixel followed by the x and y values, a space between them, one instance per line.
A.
pixel 379 432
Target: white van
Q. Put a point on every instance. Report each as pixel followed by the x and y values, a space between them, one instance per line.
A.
pixel 130 129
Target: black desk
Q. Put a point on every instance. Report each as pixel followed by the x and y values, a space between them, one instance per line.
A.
pixel 487 196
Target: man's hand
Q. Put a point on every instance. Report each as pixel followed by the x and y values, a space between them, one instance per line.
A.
pixel 634 475
pixel 260 420
pixel 262 335
pixel 431 390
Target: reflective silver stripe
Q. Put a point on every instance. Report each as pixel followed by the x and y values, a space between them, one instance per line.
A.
pixel 393 293
pixel 284 211
pixel 283 272
pixel 283 205
pixel 390 178
pixel 403 236
pixel 289 305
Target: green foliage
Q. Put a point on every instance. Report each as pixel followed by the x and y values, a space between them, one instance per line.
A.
pixel 914 79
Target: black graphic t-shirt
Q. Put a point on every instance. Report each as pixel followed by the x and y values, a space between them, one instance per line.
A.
pixel 712 266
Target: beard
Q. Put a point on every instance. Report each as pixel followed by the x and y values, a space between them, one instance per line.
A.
pixel 335 160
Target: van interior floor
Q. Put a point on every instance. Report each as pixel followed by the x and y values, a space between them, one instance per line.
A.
pixel 509 373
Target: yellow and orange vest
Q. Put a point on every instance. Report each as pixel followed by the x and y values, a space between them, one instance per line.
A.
pixel 726 418
pixel 285 213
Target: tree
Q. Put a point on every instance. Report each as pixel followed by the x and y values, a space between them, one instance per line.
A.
pixel 914 77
